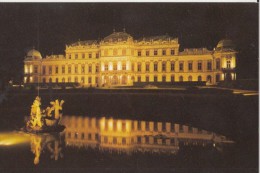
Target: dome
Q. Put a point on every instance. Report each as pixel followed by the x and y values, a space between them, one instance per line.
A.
pixel 117 36
pixel 34 54
pixel 225 44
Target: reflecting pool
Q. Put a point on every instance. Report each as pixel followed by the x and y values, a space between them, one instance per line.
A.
pixel 100 142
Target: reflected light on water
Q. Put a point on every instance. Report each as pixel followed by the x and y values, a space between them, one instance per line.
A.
pixel 13 138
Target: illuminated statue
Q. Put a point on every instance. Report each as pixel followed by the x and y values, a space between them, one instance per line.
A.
pixel 45 121
pixel 57 106
pixel 36 114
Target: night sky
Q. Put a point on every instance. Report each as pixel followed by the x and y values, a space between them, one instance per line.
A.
pixel 50 26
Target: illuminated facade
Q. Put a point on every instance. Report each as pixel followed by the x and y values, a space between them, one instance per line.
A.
pixel 120 60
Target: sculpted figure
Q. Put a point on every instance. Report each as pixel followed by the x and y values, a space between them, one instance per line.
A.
pixel 36 117
pixel 57 106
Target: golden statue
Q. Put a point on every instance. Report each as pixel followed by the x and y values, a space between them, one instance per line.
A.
pixel 36 114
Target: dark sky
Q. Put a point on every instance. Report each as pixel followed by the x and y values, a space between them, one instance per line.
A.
pixel 50 26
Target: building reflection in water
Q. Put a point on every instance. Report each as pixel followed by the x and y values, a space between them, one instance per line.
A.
pixel 129 136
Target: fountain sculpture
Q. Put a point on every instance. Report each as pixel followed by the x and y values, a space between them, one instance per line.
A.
pixel 44 120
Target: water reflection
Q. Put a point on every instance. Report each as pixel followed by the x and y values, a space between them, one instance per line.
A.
pixel 50 142
pixel 113 136
pixel 39 143
pixel 130 136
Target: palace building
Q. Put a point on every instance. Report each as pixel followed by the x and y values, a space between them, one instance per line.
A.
pixel 121 60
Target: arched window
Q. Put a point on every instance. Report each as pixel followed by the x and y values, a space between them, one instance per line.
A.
pixel 82 80
pixel 190 78
pixel 181 79
pixel 172 78
pixel 209 78
pixel 199 78
pixel 69 79
pixel 164 78
pixel 124 80
pixel 43 80
pixel 217 77
pixel 76 79
pixel 50 80
pixel 63 80
pixel 57 80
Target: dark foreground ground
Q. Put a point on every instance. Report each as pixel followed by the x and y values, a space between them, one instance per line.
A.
pixel 235 116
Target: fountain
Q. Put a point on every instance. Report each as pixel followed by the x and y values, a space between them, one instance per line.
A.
pixel 47 120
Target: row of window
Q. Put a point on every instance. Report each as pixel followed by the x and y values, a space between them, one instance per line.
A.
pixel 69 69
pixel 69 79
pixel 56 69
pixel 155 52
pixel 147 79
pixel 83 55
pixel 181 78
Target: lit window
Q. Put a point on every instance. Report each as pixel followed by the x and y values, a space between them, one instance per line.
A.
pixel 82 80
pixel 147 67
pixel 124 52
pixel 163 52
pixel 139 53
pixel 172 66
pixel 63 69
pixel 218 64
pixel 155 67
pixel 172 78
pixel 114 66
pixel 35 70
pixel 172 52
pixel 56 69
pixel 190 66
pixel 209 65
pixel 228 64
pixel 199 78
pixel 199 66
pixel 147 53
pixel 82 69
pixel 181 66
pixel 190 78
pixel 124 66
pixel 164 78
pixel 43 70
pixel 155 52
pixel 76 68
pixel 97 68
pixel 155 79
pixel 90 69
pixel 164 66
pixel 139 67
pixel 181 79
pixel 115 51
pixel 147 78
pixel 69 69
pixel 50 69
pixel 139 78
